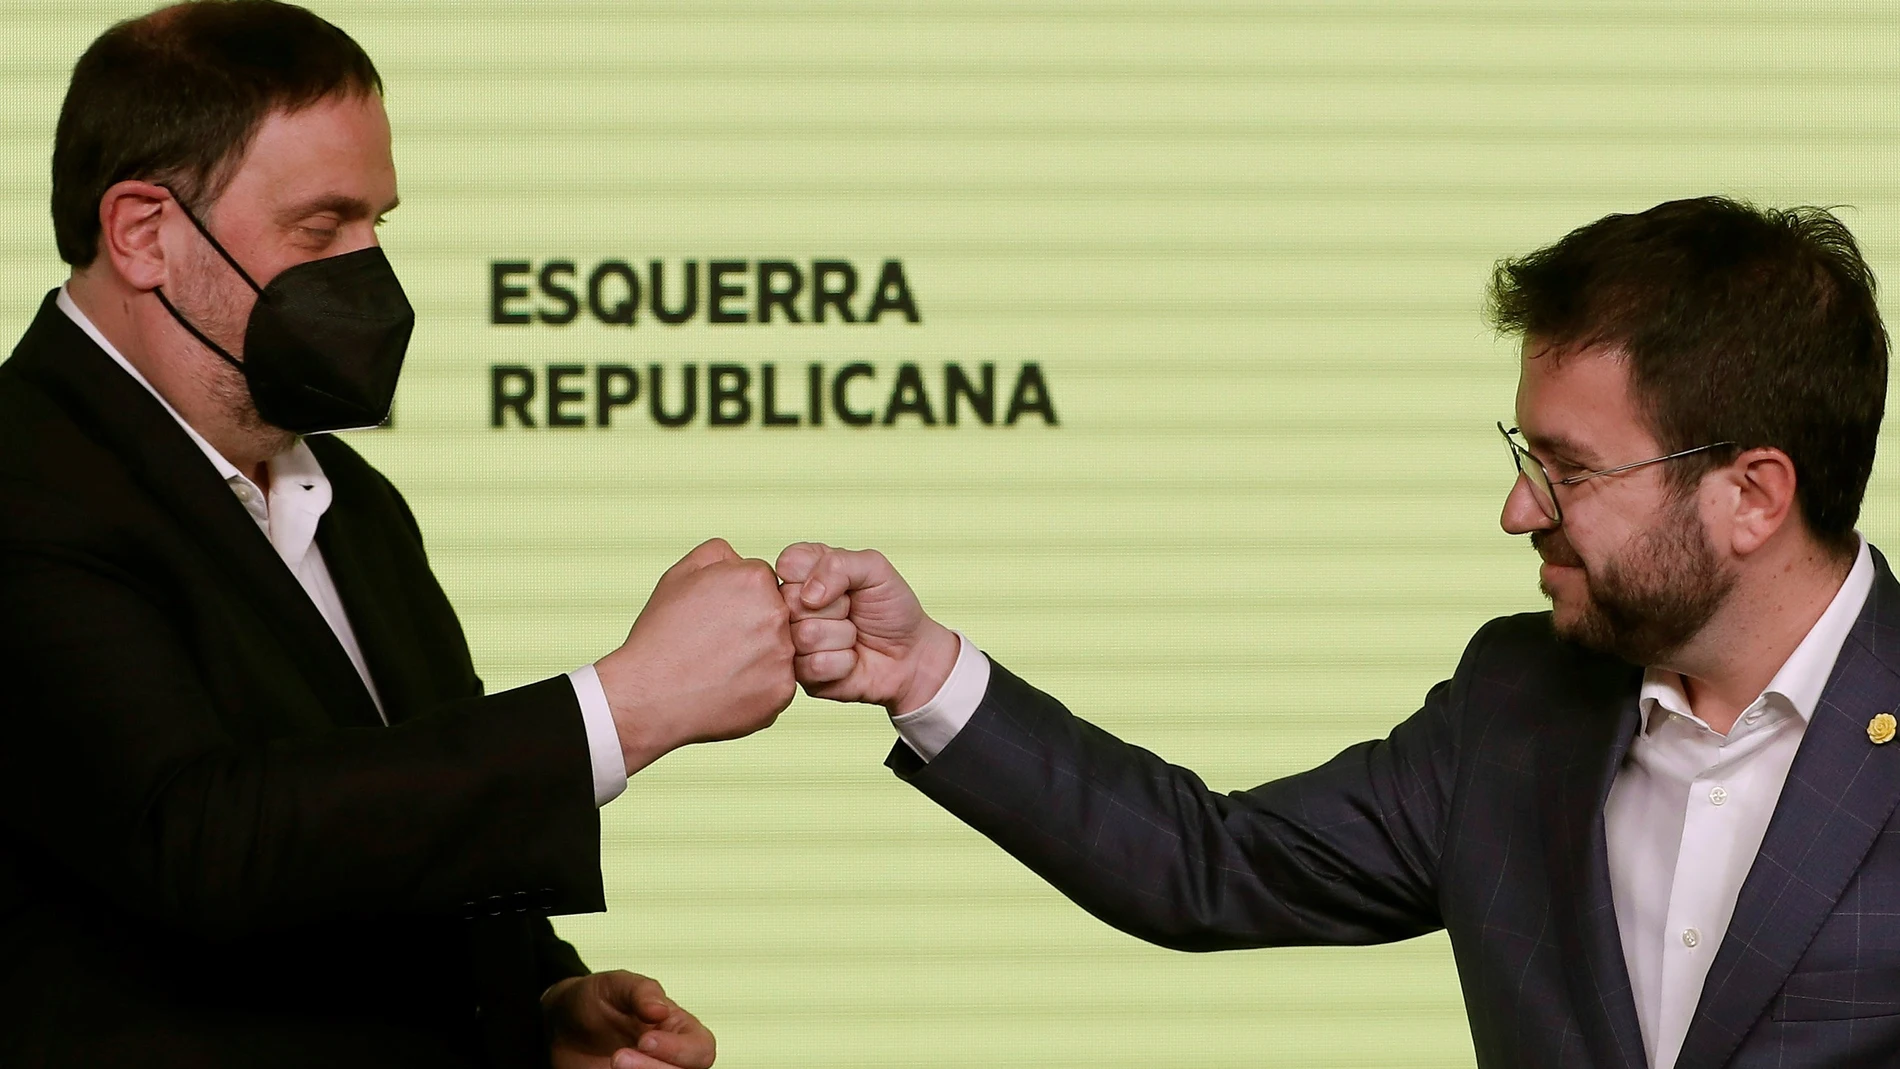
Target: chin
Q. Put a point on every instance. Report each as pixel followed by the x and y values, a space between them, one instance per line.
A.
pixel 1566 610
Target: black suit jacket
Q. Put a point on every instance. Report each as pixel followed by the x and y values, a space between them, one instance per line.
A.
pixel 212 851
pixel 1482 814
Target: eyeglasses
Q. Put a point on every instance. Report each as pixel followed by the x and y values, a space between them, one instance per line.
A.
pixel 1543 487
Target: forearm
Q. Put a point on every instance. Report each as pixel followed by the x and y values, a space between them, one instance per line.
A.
pixel 1148 848
pixel 483 802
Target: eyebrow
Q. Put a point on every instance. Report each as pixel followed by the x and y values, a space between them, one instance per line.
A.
pixel 1558 445
pixel 350 208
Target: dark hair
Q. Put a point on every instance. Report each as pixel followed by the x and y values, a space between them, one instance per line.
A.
pixel 175 96
pixel 1739 324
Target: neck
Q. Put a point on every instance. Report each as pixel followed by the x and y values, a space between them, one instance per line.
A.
pixel 1734 658
pixel 206 392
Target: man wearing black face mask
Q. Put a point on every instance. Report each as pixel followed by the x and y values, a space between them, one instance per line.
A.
pixel 324 343
pixel 255 808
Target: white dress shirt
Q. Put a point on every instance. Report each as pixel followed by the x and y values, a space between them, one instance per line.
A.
pixel 288 516
pixel 1684 819
pixel 1687 813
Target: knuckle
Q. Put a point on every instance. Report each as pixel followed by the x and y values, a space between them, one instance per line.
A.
pixel 797 558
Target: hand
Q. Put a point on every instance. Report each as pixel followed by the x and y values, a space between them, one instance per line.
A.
pixel 621 1020
pixel 709 658
pixel 859 633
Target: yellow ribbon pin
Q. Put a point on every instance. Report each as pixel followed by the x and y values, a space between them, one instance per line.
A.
pixel 1881 728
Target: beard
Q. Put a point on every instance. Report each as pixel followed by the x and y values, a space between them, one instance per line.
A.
pixel 1650 600
pixel 217 302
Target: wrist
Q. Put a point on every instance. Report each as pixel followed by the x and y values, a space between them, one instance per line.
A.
pixel 934 656
pixel 635 725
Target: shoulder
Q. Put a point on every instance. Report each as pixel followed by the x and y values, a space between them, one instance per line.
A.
pixel 57 484
pixel 34 431
pixel 1518 665
pixel 1516 638
pixel 1527 644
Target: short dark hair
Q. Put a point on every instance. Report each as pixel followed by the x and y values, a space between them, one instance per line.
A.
pixel 1740 324
pixel 176 95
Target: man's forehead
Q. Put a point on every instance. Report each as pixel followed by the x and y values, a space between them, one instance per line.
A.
pixel 332 155
pixel 1575 401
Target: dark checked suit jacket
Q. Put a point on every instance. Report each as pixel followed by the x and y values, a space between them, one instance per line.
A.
pixel 212 852
pixel 1482 814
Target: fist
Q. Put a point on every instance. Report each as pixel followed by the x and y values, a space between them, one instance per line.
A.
pixel 858 632
pixel 709 658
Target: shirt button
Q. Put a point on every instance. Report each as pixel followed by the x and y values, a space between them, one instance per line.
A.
pixel 1690 937
pixel 1752 716
pixel 243 492
pixel 1718 795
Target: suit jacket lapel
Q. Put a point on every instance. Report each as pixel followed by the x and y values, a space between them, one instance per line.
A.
pixel 121 415
pixel 1580 765
pixel 372 592
pixel 1840 793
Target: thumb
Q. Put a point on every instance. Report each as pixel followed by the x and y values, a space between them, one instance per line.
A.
pixel 636 995
pixel 796 561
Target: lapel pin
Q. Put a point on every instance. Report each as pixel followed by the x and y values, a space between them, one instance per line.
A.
pixel 1881 728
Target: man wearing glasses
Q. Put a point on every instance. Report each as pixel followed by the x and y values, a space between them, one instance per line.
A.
pixel 1657 821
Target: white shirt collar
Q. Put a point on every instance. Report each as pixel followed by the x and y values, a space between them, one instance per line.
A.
pixel 299 488
pixel 1804 674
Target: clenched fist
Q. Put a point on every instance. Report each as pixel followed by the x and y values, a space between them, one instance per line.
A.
pixel 859 632
pixel 710 657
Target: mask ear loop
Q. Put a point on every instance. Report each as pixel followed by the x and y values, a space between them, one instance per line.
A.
pixel 228 258
pixel 159 291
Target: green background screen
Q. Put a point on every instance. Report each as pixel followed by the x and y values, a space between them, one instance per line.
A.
pixel 1243 247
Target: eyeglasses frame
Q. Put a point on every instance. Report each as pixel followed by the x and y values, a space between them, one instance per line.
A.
pixel 1555 513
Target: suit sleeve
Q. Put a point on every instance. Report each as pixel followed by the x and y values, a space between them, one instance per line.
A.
pixel 555 958
pixel 116 769
pixel 1346 853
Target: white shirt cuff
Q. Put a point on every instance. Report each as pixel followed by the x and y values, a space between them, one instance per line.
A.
pixel 603 742
pixel 931 726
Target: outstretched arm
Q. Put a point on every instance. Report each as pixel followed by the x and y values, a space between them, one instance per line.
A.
pixel 1345 853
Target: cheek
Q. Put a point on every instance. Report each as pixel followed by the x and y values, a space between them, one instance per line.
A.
pixel 1603 538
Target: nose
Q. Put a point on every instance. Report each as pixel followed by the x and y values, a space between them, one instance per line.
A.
pixel 1522 514
pixel 356 239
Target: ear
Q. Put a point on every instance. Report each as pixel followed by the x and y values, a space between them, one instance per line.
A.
pixel 1760 484
pixel 130 218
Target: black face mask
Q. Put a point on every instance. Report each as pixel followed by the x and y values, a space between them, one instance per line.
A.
pixel 325 340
